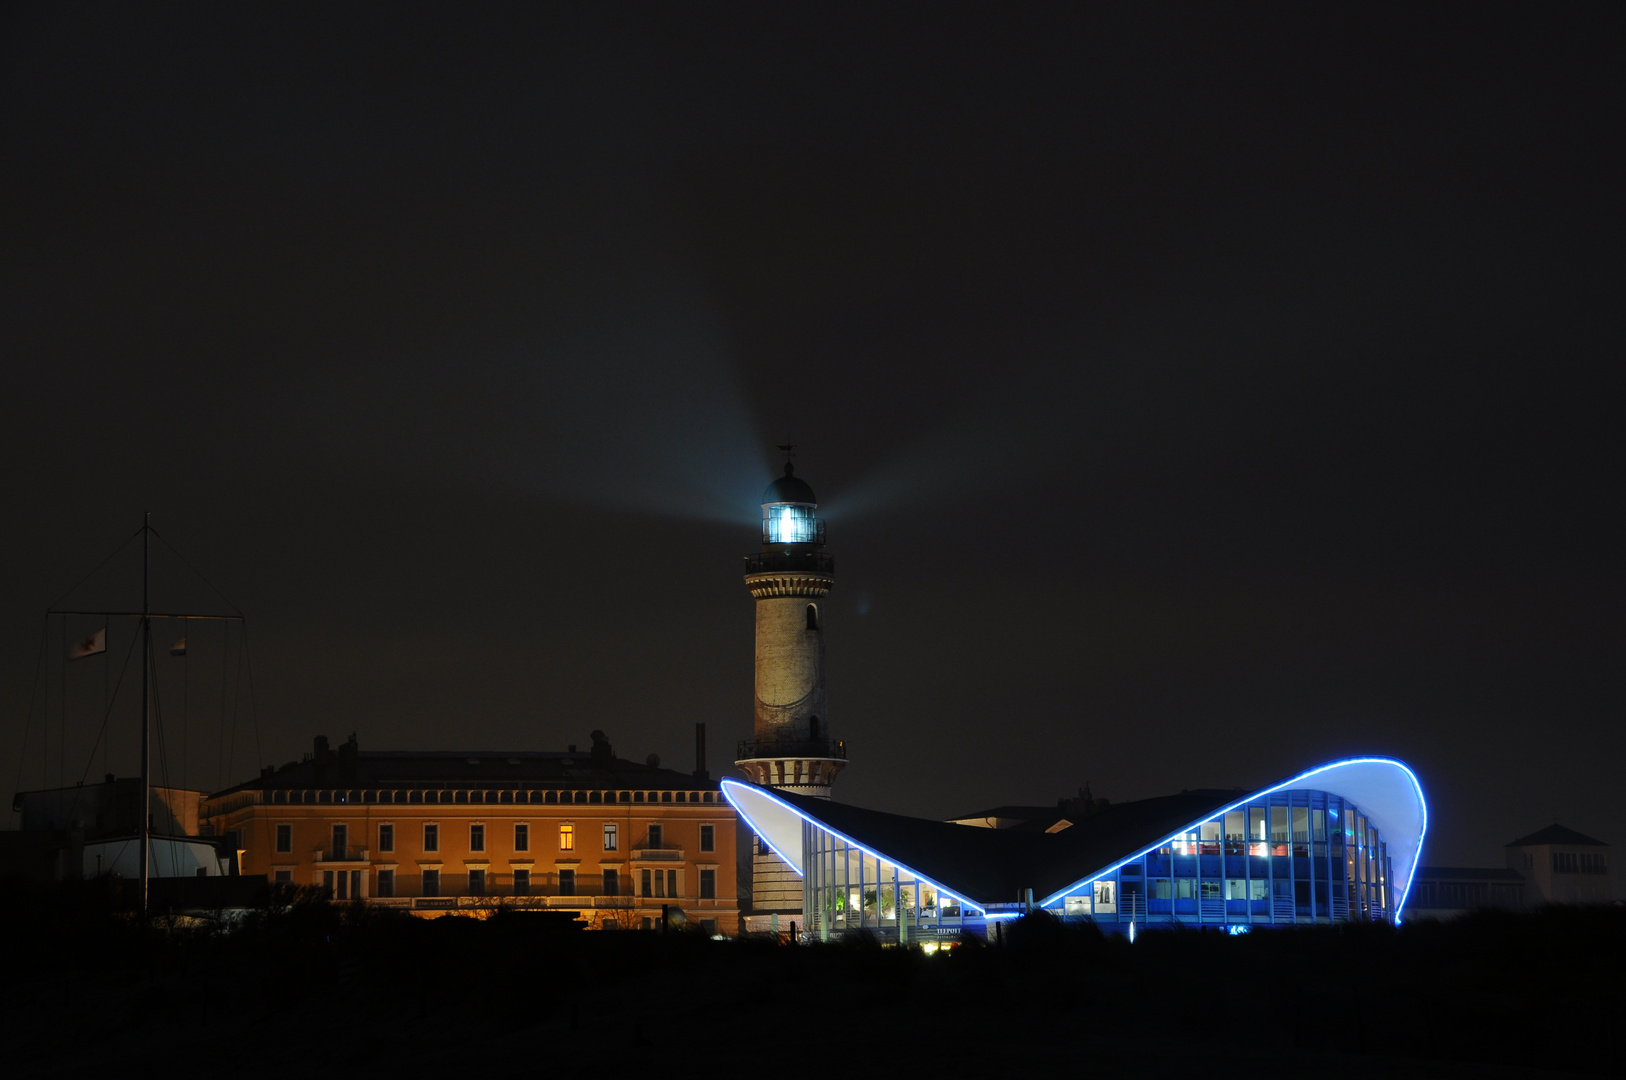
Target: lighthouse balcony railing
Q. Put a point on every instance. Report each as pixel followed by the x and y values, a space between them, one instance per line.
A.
pixel 791 748
pixel 764 562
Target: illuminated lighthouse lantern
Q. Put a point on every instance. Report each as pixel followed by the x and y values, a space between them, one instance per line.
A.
pixel 789 579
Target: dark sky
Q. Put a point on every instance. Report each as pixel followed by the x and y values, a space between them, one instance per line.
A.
pixel 1194 394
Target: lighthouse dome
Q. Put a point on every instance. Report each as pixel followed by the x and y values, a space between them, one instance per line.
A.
pixel 788 489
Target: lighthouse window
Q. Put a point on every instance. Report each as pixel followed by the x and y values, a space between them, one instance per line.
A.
pixel 812 617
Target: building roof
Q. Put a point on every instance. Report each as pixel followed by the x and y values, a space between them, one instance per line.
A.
pixel 495 769
pixel 1556 834
pixel 1467 873
pixel 997 864
pixel 1011 813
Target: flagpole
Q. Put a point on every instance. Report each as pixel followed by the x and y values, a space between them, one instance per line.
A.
pixel 146 662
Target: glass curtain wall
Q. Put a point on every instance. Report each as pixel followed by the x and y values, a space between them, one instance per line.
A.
pixel 1288 858
pixel 847 889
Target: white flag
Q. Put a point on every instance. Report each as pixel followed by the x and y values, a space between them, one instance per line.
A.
pixel 89 646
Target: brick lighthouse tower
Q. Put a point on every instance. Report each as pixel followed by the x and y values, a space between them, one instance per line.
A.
pixel 791 748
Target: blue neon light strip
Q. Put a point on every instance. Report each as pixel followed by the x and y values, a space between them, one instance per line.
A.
pixel 817 824
pixel 1416 856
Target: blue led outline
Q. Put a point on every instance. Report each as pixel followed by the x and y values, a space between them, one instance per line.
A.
pixel 949 893
pixel 1422 832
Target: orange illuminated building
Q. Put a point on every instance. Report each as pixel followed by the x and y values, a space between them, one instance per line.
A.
pixel 439 832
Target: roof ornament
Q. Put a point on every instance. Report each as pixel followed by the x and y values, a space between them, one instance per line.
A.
pixel 789 450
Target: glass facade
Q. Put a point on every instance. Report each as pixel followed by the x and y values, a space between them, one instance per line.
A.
pixel 847 888
pixel 1286 858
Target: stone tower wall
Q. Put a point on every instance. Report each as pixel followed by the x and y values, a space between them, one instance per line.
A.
pixel 789 668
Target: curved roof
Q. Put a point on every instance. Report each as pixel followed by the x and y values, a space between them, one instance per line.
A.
pixel 789 489
pixel 989 866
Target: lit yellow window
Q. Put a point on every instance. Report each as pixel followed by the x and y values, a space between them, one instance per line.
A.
pixel 567 838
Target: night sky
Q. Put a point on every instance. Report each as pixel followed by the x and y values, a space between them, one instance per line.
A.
pixel 1194 394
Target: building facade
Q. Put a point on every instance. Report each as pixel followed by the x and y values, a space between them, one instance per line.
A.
pixel 1561 866
pixel 431 833
pixel 1335 843
pixel 1446 892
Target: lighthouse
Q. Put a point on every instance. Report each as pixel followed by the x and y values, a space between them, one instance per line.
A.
pixel 791 747
pixel 789 579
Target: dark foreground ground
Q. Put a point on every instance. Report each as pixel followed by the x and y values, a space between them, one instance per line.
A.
pixel 306 988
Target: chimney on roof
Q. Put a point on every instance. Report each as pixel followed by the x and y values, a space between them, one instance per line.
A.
pixel 700 753
pixel 603 756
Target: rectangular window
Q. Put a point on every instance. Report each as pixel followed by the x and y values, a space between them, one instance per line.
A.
pixel 431 882
pixel 522 837
pixel 1185 889
pixel 341 842
pixel 1258 889
pixel 648 888
pixel 477 882
pixel 477 837
pixel 1236 889
pixel 671 883
pixel 567 883
pixel 610 837
pixel 708 884
pixel 431 842
pixel 612 883
pixel 1211 890
pixel 654 836
pixel 522 882
pixel 283 877
pixel 355 884
pixel 285 837
pixel 1106 897
pixel 327 882
pixel 386 883
pixel 567 840
pixel 386 838
pixel 708 838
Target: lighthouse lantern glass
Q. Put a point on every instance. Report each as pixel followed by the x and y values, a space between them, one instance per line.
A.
pixel 789 524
